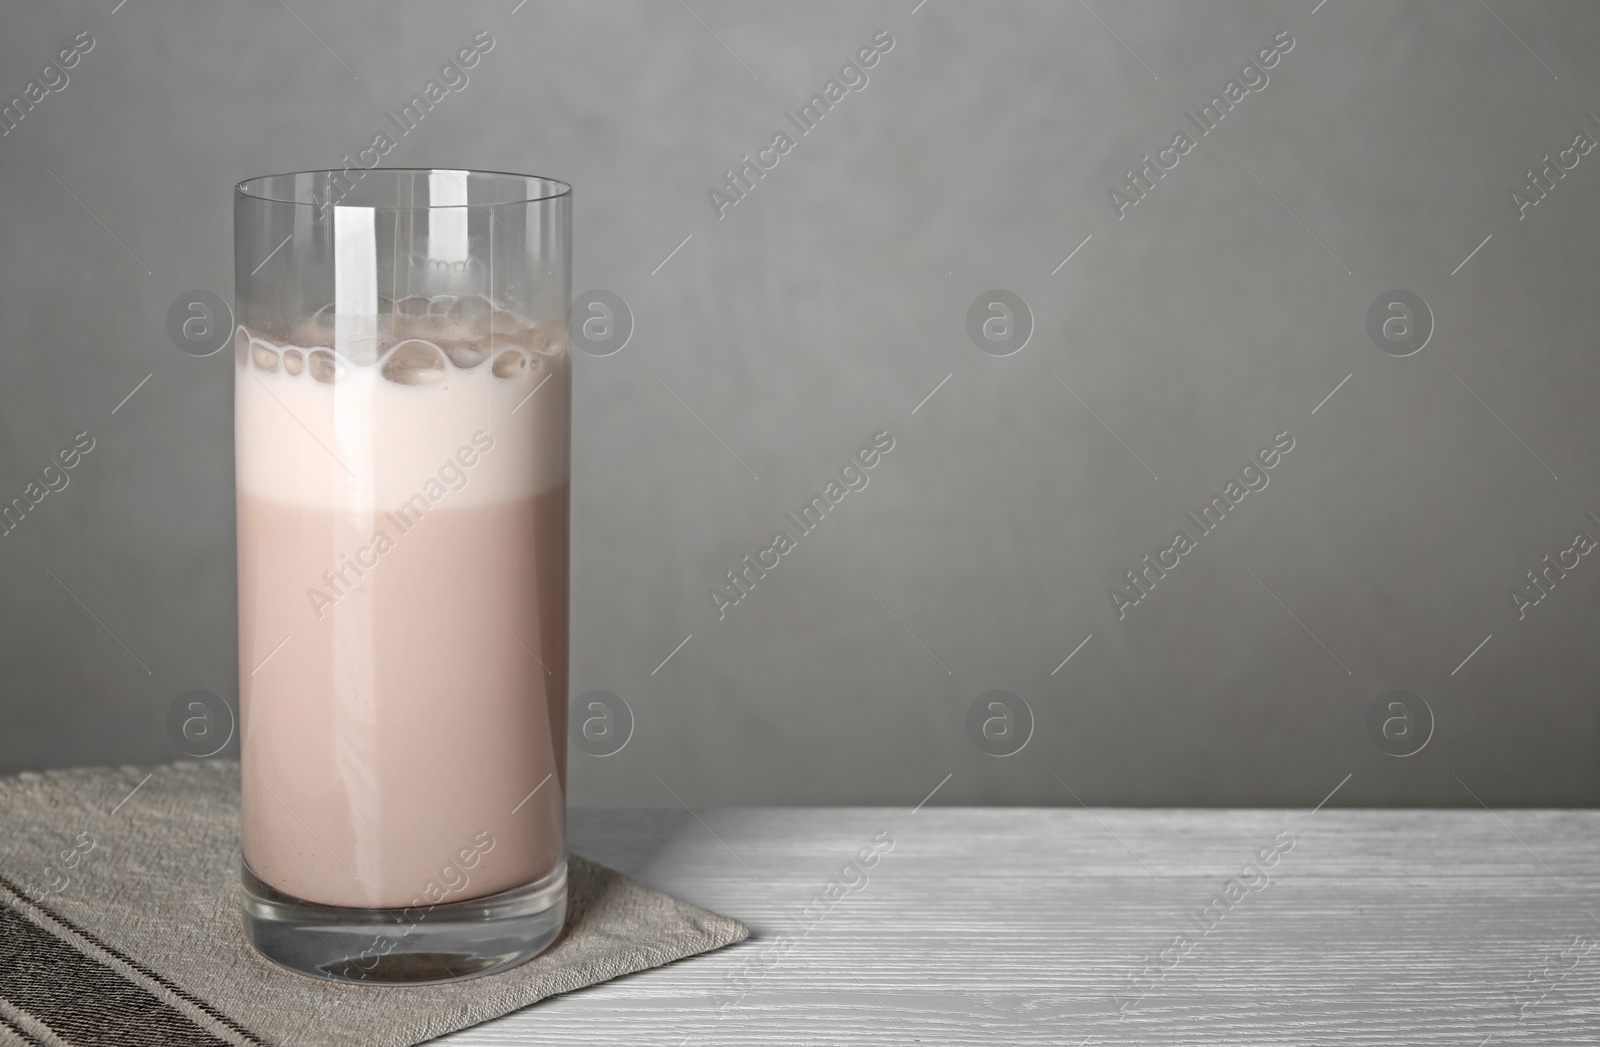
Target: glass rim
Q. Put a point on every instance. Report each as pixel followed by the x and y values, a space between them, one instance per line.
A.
pixel 254 188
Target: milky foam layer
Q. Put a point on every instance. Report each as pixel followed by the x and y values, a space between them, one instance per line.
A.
pixel 452 400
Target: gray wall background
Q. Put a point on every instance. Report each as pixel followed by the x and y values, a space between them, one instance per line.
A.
pixel 1208 319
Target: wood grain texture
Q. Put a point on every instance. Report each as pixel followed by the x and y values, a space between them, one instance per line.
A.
pixel 1025 926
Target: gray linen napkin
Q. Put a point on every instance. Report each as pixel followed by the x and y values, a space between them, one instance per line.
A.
pixel 119 925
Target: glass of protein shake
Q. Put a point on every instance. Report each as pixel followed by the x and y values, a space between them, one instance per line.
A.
pixel 401 396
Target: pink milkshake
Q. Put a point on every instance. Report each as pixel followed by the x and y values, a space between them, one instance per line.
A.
pixel 402 521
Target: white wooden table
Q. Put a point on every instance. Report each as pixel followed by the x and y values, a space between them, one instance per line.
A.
pixel 1030 926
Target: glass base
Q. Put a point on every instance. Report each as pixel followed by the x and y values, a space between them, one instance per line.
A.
pixel 414 946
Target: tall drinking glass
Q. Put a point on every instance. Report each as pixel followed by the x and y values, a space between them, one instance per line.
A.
pixel 401 397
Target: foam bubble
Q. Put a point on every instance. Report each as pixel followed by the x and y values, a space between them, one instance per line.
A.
pixel 471 310
pixel 414 362
pixel 324 366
